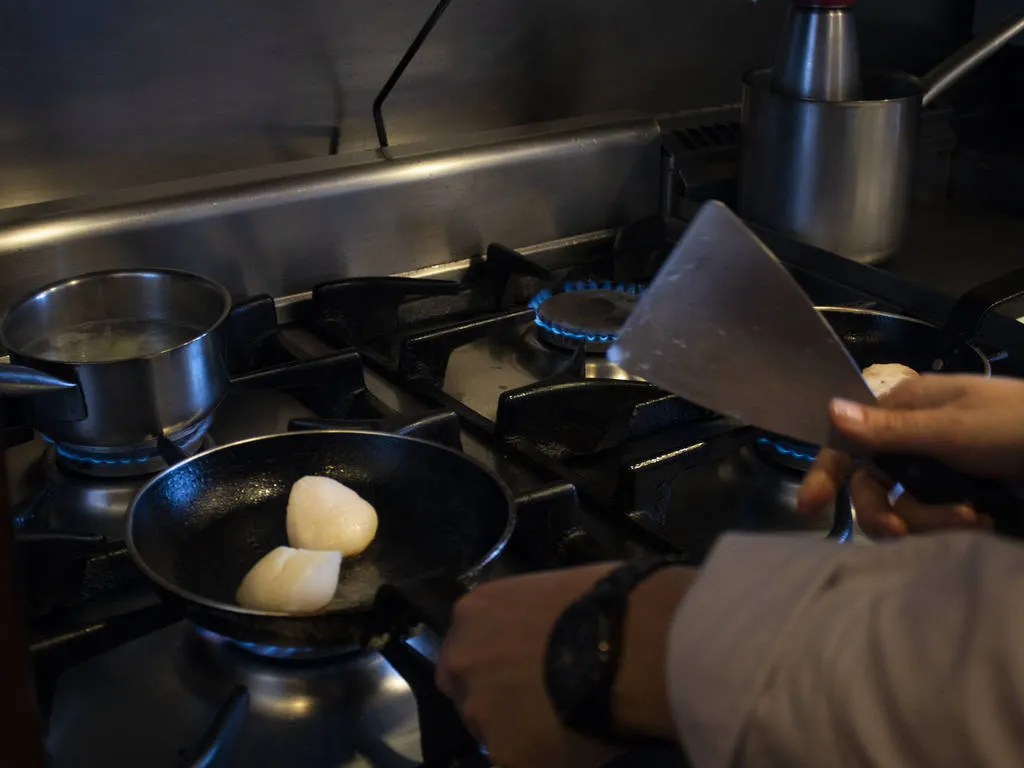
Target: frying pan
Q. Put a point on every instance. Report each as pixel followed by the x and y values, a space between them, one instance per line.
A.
pixel 879 337
pixel 197 528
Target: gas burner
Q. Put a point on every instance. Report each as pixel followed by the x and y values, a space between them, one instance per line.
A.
pixel 587 314
pixel 293 703
pixel 133 461
pixel 75 502
pixel 276 653
pixel 787 453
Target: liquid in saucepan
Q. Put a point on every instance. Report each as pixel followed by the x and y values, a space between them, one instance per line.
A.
pixel 104 341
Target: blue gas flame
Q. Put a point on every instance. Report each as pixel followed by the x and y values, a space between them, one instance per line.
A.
pixel 83 458
pixel 786 450
pixel 259 649
pixel 632 289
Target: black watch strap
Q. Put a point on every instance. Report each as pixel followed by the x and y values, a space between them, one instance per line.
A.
pixel 587 707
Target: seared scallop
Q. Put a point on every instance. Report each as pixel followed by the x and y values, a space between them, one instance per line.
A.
pixel 882 378
pixel 290 580
pixel 327 515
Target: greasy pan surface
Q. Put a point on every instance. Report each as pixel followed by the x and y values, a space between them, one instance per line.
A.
pixel 197 528
pixel 876 337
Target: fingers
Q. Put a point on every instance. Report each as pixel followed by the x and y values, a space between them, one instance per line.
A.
pixel 823 481
pixel 927 391
pixel 874 515
pixel 911 419
pixel 880 519
pixel 919 432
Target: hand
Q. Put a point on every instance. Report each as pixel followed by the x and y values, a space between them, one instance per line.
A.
pixel 492 665
pixel 970 423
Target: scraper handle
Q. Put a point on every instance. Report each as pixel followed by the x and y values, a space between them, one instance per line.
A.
pixel 932 482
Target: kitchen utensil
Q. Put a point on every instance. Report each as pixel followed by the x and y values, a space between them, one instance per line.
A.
pixel 726 326
pixel 837 174
pixel 118 358
pixel 196 529
pixel 818 55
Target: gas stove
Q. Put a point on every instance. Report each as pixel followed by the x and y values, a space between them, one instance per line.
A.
pixel 501 357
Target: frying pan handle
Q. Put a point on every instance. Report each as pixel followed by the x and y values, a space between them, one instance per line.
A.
pixel 932 482
pixel 400 608
pixel 973 307
pixel 397 610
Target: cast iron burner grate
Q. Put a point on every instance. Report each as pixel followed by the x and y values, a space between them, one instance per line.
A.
pixel 588 314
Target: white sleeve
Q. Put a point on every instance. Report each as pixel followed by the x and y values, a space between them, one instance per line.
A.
pixel 793 652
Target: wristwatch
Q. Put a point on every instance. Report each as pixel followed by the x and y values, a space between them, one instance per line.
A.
pixel 585 649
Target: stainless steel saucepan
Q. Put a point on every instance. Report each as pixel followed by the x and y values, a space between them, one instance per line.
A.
pixel 118 358
pixel 837 174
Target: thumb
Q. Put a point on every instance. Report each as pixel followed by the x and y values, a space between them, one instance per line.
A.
pixel 919 432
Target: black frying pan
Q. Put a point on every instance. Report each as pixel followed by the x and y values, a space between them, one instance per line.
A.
pixel 196 529
pixel 878 337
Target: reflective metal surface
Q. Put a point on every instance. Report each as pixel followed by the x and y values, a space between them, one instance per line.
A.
pixel 178 90
pixel 283 229
pixel 152 700
pixel 832 174
pixel 837 174
pixel 818 56
pixel 131 400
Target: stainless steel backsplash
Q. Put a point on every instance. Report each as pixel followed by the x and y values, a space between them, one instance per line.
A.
pixel 102 95
pixel 111 93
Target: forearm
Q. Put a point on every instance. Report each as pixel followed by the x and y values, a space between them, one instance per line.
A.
pixel 791 652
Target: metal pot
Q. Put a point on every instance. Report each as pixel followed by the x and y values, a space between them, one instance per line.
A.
pixel 120 358
pixel 837 175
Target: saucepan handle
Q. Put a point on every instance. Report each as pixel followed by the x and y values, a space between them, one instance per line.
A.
pixel 970 56
pixel 397 611
pixel 973 307
pixel 60 399
pixel 932 482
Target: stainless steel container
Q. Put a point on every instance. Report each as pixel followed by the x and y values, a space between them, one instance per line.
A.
pixel 118 359
pixel 818 56
pixel 837 174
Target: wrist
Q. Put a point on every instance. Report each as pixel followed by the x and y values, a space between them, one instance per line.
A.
pixel 640 701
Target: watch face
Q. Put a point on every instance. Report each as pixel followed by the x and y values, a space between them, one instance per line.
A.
pixel 577 658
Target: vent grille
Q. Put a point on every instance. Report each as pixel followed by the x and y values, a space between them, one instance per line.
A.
pixel 712 136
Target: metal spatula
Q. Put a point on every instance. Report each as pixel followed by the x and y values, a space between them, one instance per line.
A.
pixel 726 326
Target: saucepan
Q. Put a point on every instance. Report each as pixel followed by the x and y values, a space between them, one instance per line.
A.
pixel 118 358
pixel 837 175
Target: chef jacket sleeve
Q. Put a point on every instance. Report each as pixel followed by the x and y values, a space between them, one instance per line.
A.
pixel 791 652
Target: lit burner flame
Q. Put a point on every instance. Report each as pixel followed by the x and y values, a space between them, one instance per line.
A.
pixel 632 289
pixel 787 450
pixel 258 649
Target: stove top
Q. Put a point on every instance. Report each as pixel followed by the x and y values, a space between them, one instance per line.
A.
pixel 502 360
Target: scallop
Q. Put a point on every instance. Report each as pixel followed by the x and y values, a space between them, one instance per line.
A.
pixel 883 378
pixel 324 514
pixel 290 580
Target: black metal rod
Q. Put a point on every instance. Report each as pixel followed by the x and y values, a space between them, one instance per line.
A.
pixel 396 75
